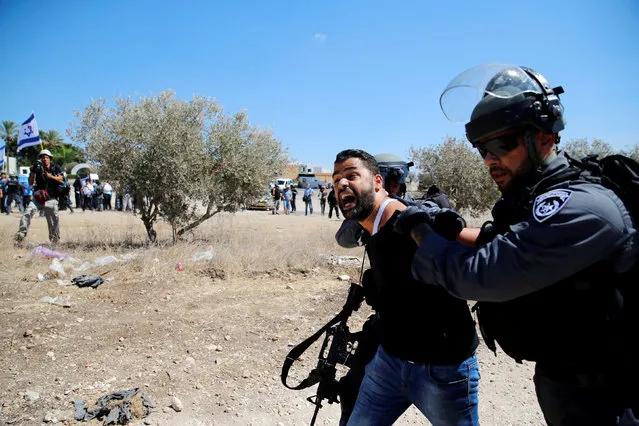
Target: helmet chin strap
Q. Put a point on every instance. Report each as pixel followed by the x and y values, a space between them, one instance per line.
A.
pixel 533 153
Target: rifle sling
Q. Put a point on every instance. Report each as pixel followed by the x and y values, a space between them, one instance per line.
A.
pixel 298 350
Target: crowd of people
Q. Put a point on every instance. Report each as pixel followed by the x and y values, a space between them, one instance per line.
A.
pixel 46 190
pixel 286 198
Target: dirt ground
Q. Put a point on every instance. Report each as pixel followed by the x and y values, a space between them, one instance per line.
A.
pixel 214 335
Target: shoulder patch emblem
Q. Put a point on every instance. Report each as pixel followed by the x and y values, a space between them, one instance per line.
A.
pixel 548 204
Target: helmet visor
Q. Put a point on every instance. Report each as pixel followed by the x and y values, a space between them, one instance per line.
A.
pixel 397 173
pixel 503 81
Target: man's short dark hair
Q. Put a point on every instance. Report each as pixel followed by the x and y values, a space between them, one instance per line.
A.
pixel 432 190
pixel 368 160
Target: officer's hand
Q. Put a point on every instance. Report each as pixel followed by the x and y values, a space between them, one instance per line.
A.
pixel 448 223
pixel 351 234
pixel 410 217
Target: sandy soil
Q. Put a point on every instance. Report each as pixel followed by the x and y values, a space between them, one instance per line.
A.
pixel 214 335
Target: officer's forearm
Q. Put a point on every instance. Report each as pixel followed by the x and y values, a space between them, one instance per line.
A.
pixel 468 236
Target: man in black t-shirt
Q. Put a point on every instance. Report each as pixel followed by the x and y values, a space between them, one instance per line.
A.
pixel 46 179
pixel 435 195
pixel 14 194
pixel 428 339
pixel 276 192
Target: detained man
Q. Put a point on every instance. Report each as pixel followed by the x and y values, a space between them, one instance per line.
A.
pixel 428 339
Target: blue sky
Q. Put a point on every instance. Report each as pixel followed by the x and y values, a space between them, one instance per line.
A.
pixel 325 75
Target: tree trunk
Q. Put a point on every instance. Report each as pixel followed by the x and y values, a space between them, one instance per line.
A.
pixel 148 224
pixel 209 214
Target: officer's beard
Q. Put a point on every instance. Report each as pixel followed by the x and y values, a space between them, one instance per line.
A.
pixel 359 205
pixel 519 178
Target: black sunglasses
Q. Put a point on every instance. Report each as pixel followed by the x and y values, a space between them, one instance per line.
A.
pixel 499 146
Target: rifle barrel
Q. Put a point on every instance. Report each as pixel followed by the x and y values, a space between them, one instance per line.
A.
pixel 317 407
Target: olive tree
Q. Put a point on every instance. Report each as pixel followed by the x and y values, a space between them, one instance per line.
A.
pixel 184 161
pixel 632 152
pixel 578 148
pixel 458 170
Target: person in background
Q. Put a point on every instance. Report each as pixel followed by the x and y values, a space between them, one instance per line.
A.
pixel 276 192
pixel 107 193
pixel 308 199
pixel 3 191
pixel 27 191
pixel 46 178
pixel 293 196
pixel 14 194
pixel 332 202
pixel 77 190
pixel 286 199
pixel 98 196
pixel 323 193
pixel 87 195
pixel 435 195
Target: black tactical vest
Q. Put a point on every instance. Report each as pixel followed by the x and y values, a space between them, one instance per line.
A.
pixel 571 321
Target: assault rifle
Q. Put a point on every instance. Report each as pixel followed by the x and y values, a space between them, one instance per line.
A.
pixel 337 348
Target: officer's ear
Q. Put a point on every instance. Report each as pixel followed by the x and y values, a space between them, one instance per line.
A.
pixel 545 143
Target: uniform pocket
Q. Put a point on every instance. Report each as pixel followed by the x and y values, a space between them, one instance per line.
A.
pixel 449 374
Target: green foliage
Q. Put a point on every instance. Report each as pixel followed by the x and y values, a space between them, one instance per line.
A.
pixel 632 152
pixel 188 159
pixel 578 148
pixel 67 155
pixel 9 132
pixel 51 139
pixel 456 168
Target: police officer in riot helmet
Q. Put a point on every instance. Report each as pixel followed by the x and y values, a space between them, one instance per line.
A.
pixel 546 272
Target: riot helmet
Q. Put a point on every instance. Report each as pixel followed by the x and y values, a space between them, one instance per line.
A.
pixel 494 98
pixel 393 169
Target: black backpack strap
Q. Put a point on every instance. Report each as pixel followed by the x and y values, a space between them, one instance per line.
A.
pixel 298 350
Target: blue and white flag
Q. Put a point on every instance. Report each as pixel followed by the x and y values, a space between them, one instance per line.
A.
pixel 29 135
pixel 2 154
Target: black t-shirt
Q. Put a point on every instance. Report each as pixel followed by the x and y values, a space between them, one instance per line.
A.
pixel 50 185
pixel 420 322
pixel 277 193
pixel 440 199
pixel 13 187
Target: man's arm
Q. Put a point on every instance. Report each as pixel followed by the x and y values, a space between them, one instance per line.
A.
pixel 531 256
pixel 57 178
pixel 469 236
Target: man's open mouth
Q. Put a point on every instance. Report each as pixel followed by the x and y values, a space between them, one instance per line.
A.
pixel 347 200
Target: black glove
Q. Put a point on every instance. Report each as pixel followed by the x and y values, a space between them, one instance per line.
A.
pixel 351 234
pixel 448 223
pixel 410 217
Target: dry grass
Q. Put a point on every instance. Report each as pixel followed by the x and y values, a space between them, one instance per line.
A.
pixel 243 244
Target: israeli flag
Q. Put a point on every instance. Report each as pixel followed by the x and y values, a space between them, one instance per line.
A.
pixel 2 154
pixel 29 135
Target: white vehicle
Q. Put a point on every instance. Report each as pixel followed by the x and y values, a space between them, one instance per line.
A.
pixel 282 182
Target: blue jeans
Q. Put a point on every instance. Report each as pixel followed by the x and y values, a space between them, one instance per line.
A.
pixel 309 205
pixel 445 394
